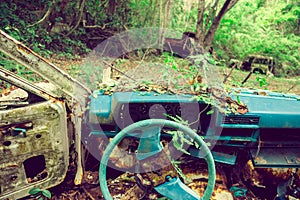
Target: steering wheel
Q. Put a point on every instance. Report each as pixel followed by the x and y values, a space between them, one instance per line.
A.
pixel 156 124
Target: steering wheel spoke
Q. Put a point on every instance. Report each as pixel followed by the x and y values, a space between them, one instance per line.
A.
pixel 149 144
pixel 173 188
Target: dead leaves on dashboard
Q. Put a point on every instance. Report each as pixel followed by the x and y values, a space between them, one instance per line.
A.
pixel 236 106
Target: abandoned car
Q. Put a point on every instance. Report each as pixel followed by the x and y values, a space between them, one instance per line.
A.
pixel 46 127
pixel 256 64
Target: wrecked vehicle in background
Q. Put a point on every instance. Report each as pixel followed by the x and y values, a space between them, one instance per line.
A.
pixel 256 64
pixel 43 129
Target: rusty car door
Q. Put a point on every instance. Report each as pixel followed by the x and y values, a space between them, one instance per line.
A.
pixel 34 146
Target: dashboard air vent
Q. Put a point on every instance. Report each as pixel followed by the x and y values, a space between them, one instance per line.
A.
pixel 240 120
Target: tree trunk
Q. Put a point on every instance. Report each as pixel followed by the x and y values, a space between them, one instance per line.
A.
pixel 199 30
pixel 111 7
pixel 167 17
pixel 205 37
pixel 216 22
pixel 56 12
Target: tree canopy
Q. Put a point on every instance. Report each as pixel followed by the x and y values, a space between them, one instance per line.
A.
pixel 235 28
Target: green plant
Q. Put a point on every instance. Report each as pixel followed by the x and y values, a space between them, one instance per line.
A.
pixel 176 164
pixel 262 81
pixel 40 194
pixel 178 138
pixel 20 22
pixel 169 60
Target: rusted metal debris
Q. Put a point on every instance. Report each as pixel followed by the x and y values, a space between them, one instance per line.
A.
pixel 47 111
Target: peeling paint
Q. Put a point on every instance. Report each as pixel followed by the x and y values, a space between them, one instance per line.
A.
pixel 48 126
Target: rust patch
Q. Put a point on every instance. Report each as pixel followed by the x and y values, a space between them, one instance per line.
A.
pixel 23 48
pixel 46 136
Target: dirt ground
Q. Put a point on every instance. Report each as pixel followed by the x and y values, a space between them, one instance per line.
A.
pixel 272 83
pixel 240 182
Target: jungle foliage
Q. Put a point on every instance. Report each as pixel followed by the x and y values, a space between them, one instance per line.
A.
pixel 270 28
pixel 65 28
